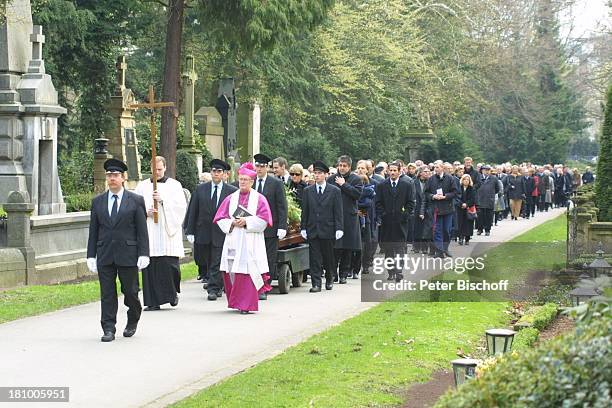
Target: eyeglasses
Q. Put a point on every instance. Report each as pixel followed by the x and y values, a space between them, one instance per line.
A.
pixel 295 174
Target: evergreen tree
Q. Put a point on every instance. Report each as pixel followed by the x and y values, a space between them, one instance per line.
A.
pixel 603 185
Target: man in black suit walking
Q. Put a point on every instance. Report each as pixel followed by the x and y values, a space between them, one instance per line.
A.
pixel 274 190
pixel 322 225
pixel 395 202
pixel 118 245
pixel 206 237
pixel 350 186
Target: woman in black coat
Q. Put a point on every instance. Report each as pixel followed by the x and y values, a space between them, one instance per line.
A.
pixel 467 200
pixel 297 185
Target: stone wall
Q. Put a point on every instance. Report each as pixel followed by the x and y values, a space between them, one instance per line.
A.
pixel 44 249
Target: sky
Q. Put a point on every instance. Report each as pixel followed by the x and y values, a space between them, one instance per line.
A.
pixel 585 15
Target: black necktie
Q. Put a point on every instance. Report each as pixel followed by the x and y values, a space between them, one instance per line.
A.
pixel 393 184
pixel 260 186
pixel 115 207
pixel 214 197
pixel 320 190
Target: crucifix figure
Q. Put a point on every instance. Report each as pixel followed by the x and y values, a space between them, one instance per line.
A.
pixel 152 105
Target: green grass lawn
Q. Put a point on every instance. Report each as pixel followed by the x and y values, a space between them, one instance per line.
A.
pixel 33 300
pixel 370 359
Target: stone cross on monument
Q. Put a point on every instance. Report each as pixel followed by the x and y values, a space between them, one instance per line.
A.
pixel 122 141
pixel 188 143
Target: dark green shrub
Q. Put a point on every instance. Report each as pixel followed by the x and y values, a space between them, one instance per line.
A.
pixel 78 202
pixel 571 371
pixel 186 170
pixel 556 293
pixel 525 338
pixel 76 172
pixel 603 182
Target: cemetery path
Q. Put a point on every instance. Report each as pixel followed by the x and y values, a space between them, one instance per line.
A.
pixel 176 351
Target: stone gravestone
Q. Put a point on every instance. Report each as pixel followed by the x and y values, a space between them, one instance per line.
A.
pixel 249 119
pixel 227 107
pixel 419 132
pixel 210 128
pixel 28 113
pixel 189 143
pixel 122 142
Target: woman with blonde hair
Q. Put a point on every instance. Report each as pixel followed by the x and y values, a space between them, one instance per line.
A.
pixel 297 184
pixel 516 191
pixel 467 210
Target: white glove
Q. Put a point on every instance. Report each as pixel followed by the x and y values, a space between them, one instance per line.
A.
pixel 303 234
pixel 143 262
pixel 191 239
pixel 92 265
pixel 339 234
pixel 281 233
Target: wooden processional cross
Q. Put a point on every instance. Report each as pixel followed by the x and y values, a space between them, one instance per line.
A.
pixel 152 105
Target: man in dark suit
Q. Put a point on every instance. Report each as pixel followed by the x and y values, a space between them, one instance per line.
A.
pixel 206 237
pixel 488 188
pixel 322 225
pixel 274 190
pixel 440 192
pixel 395 202
pixel 118 245
pixel 350 186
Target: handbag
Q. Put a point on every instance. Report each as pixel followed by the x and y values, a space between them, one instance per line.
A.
pixel 471 213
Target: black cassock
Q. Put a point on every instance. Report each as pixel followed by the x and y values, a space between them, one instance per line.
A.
pixel 161 280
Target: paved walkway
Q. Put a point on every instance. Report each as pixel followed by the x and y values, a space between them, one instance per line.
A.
pixel 175 351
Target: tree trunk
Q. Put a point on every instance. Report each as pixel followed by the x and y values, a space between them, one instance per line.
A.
pixel 170 92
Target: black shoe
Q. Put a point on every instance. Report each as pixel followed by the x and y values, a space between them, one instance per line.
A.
pixel 108 336
pixel 212 296
pixel 342 281
pixel 199 277
pixel 398 277
pixel 467 242
pixel 244 312
pixel 219 294
pixel 355 276
pixel 205 285
pixel 335 279
pixel 151 308
pixel 439 255
pixel 304 277
pixel 263 296
pixel 448 254
pixel 315 289
pixel 328 286
pixel 479 233
pixel 461 241
pixel 175 302
pixel 487 233
pixel 390 278
pixel 130 330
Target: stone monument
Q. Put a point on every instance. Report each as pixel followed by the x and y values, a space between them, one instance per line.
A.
pixel 122 142
pixel 418 133
pixel 249 119
pixel 227 107
pixel 210 128
pixel 189 142
pixel 28 114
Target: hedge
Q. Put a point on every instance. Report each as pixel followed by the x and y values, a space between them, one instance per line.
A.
pixel 571 371
pixel 539 316
pixel 525 338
